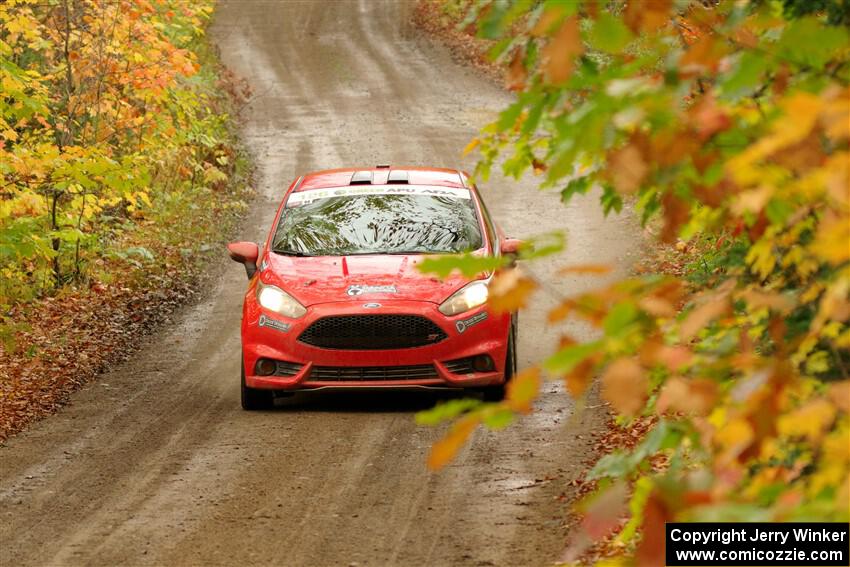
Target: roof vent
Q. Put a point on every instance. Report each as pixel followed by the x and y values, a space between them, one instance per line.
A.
pixel 398 176
pixel 361 178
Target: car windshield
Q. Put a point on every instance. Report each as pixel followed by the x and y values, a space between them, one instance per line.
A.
pixel 378 221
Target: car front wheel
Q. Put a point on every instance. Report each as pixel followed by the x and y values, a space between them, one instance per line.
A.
pixel 254 399
pixel 497 393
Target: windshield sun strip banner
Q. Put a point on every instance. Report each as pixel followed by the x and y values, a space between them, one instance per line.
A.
pixel 311 195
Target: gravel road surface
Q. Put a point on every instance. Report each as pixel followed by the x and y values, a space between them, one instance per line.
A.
pixel 155 464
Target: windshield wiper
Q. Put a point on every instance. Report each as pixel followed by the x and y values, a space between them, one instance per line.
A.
pixel 287 252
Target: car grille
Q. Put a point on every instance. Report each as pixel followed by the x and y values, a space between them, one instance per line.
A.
pixel 372 332
pixel 370 373
pixel 460 365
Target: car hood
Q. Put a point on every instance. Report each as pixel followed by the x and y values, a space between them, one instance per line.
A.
pixel 327 279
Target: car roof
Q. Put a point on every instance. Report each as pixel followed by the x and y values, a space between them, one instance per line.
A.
pixel 381 175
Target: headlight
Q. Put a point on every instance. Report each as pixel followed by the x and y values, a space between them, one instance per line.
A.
pixel 275 299
pixel 468 297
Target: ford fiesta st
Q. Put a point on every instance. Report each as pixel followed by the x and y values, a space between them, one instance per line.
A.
pixel 335 299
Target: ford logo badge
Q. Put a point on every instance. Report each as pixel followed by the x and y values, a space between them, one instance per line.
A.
pixel 371 305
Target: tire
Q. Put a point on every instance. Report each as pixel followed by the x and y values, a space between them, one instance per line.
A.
pixel 497 393
pixel 254 399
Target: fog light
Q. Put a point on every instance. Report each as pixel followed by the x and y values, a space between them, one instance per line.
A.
pixel 483 363
pixel 266 367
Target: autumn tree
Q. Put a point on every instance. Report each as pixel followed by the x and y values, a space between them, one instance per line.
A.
pixel 99 118
pixel 726 125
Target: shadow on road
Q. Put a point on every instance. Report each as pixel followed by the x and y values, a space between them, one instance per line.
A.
pixel 366 401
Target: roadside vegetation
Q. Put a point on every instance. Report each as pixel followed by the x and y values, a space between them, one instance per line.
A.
pixel 118 172
pixel 726 124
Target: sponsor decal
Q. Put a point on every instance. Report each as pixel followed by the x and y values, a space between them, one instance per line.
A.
pixel 355 290
pixel 464 324
pixel 371 305
pixel 311 195
pixel 273 324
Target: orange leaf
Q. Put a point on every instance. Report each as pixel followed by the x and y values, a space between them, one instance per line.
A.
pixel 523 390
pixel 676 213
pixel 594 269
pixel 627 169
pixel 516 74
pixel 510 291
pixel 702 316
pixel 657 306
pixel 605 511
pixel 647 15
pixel 624 385
pixel 775 301
pixel 693 397
pixel 560 312
pixel 560 53
pixel 839 393
pixel 444 450
pixel 708 118
pixel 704 54
pixel 672 357
pixel 547 21
pixel 656 514
pixel 578 380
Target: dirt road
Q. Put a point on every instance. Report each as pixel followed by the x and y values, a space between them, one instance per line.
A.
pixel 155 464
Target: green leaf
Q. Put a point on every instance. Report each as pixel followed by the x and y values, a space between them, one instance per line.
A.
pixel 610 200
pixel 808 42
pixel 620 316
pixel 747 75
pixel 499 418
pixel 543 245
pixel 508 117
pixel 609 33
pixel 568 358
pixel 577 186
pixel 446 411
pixel 467 264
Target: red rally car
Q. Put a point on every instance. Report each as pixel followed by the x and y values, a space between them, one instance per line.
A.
pixel 335 299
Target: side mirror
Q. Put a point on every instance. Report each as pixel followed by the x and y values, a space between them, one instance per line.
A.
pixel 245 253
pixel 510 246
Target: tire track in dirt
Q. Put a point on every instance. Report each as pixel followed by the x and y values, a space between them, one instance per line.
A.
pixel 155 464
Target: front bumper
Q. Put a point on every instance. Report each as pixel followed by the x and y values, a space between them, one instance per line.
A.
pixel 476 332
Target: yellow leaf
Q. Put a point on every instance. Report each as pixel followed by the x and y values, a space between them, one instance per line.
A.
pixel 810 421
pixel 523 390
pixel 624 386
pixel 444 450
pixel 734 437
pixel 471 146
pixel 801 113
pixel 832 242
